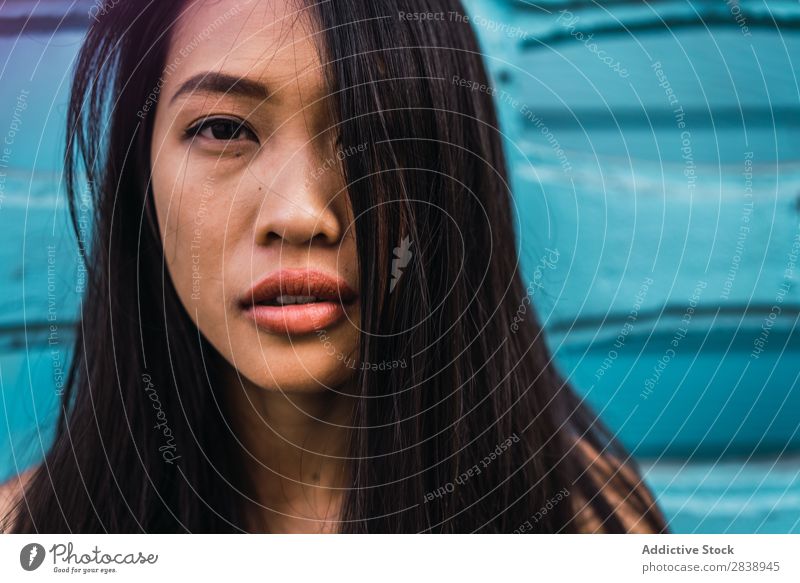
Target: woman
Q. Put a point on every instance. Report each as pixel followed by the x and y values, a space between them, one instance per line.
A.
pixel 303 285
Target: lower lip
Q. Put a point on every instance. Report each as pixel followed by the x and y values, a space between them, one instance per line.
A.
pixel 297 318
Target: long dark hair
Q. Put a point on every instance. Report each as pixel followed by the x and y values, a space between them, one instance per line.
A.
pixel 473 390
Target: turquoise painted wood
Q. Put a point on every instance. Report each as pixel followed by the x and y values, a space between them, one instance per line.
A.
pixel 663 165
pixel 38 259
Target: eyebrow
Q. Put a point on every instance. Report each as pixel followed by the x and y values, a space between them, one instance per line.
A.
pixel 222 83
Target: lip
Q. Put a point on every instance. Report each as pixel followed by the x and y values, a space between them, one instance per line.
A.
pixel 332 291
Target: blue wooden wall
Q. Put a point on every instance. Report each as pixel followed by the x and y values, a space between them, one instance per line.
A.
pixel 667 175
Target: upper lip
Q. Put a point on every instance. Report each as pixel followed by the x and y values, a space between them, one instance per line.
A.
pixel 299 282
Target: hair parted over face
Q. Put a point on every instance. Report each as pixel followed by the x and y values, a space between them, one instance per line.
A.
pixel 247 184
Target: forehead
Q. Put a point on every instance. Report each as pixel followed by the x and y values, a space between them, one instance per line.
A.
pixel 272 41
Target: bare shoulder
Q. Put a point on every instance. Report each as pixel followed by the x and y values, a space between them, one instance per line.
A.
pixel 10 493
pixel 623 489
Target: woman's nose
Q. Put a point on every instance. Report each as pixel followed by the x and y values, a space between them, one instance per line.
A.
pixel 301 201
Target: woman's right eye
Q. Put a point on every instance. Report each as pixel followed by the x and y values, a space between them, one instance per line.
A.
pixel 222 129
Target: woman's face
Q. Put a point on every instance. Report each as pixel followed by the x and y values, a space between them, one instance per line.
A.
pixel 256 226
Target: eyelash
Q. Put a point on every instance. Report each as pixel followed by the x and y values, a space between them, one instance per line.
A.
pixel 238 128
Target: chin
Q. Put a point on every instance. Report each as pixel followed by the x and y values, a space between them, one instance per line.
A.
pixel 311 363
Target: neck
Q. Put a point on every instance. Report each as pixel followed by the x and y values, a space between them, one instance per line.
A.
pixel 293 445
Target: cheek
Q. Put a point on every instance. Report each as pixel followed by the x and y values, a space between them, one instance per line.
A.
pixel 167 176
pixel 186 206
